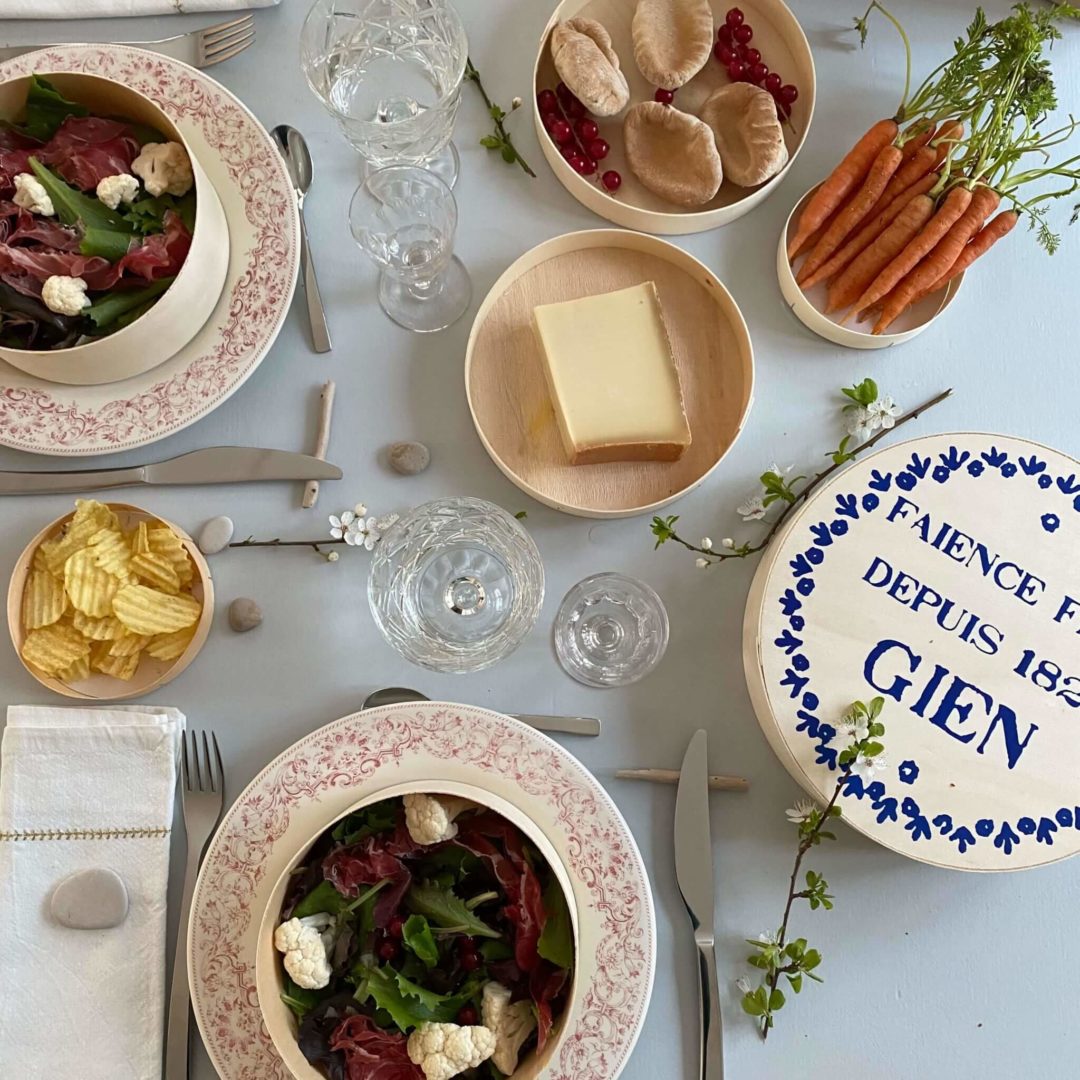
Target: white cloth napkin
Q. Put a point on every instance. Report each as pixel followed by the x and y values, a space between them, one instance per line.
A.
pixel 84 1004
pixel 100 9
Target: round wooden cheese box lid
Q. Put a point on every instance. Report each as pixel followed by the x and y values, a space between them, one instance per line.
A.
pixel 941 575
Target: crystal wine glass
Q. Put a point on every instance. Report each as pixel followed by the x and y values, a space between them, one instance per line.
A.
pixel 456 585
pixel 611 630
pixel 391 72
pixel 404 217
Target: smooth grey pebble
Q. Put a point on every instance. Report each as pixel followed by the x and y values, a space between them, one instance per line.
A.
pixel 244 614
pixel 215 535
pixel 409 458
pixel 90 900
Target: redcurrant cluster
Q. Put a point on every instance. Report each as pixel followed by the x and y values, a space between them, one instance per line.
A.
pixel 744 62
pixel 576 134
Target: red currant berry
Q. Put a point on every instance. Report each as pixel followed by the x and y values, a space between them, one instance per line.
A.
pixel 724 35
pixel 724 53
pixel 547 101
pixel 734 17
pixel 469 961
pixel 550 119
pixel 387 950
pixel 598 149
pixel 742 34
pixel 570 151
pixel 395 926
pixel 467 1016
pixel 574 109
pixel 737 70
pixel 772 82
pixel 752 57
pixel 758 72
pixel 562 133
pixel 789 94
pixel 587 166
pixel 611 180
pixel 740 51
pixel 665 97
pixel 587 130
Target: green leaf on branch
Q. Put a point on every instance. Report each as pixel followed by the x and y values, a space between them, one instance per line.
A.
pixel 664 529
pixel 751 1004
pixel 491 142
pixel 796 982
pixel 776 1000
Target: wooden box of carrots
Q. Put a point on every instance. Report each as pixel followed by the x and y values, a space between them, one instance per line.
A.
pixel 879 248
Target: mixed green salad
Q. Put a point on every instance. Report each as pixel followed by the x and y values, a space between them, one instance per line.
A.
pixel 96 216
pixel 424 938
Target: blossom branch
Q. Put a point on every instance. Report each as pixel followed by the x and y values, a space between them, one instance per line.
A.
pixel 500 140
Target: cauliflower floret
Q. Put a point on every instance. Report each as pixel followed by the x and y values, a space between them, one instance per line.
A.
pixel 512 1025
pixel 430 818
pixel 165 169
pixel 445 1050
pixel 65 295
pixel 31 195
pixel 302 942
pixel 114 190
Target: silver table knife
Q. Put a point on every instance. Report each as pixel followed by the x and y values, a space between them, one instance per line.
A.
pixel 217 465
pixel 694 872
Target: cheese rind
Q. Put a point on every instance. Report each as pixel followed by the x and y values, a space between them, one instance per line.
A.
pixel 612 377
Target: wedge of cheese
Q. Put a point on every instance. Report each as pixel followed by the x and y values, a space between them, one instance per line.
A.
pixel 612 377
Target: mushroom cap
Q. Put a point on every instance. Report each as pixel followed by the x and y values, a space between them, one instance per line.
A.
pixel 672 153
pixel 586 61
pixel 673 40
pixel 748 133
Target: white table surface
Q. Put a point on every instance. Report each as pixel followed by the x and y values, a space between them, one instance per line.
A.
pixel 928 973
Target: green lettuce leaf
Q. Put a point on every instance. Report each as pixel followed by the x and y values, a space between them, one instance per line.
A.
pixel 110 307
pixel 557 939
pixel 446 909
pixel 360 824
pixel 418 938
pixel 74 208
pixel 47 109
pixel 408 1004
pixel 147 216
pixel 323 898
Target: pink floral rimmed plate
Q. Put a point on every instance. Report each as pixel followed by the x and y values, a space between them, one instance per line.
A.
pixel 260 207
pixel 321 776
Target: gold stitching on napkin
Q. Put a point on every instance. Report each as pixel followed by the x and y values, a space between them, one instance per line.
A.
pixel 85 834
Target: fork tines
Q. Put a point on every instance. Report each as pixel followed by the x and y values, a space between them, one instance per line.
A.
pixel 201 776
pixel 225 40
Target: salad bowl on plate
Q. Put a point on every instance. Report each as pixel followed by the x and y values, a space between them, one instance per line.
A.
pixel 151 268
pixel 382 753
pixel 460 892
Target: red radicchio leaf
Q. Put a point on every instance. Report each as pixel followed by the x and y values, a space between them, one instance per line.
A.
pixel 525 907
pixel 86 149
pixel 30 229
pixel 372 1053
pixel 545 985
pixel 368 862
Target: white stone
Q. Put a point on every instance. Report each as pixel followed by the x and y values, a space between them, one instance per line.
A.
pixel 215 535
pixel 90 900
pixel 409 458
pixel 244 614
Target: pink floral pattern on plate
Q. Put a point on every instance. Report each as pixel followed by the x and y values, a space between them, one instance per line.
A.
pixel 322 775
pixel 255 190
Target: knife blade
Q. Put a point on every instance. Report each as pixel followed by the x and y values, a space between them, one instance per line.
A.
pixel 694 873
pixel 215 465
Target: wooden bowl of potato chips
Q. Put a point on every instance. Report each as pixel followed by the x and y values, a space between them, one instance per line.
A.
pixel 109 602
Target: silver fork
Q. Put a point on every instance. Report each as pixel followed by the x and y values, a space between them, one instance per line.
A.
pixel 200 48
pixel 203 799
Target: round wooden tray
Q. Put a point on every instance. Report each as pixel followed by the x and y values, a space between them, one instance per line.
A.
pixel 981 764
pixel 783 46
pixel 809 307
pixel 151 673
pixel 508 395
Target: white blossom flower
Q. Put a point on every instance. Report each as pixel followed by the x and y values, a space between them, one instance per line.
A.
pixel 866 767
pixel 345 527
pixel 515 103
pixel 856 726
pixel 774 468
pixel 884 412
pixel 743 984
pixel 767 937
pixel 702 564
pixel 862 423
pixel 332 556
pixel 706 543
pixel 800 811
pixel 752 508
pixel 360 510
pixel 728 543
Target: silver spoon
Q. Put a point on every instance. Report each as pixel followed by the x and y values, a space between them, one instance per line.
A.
pixel 567 725
pixel 294 150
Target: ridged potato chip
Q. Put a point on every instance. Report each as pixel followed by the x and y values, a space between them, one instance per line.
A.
pixel 90 588
pixel 107 629
pixel 119 667
pixel 140 544
pixel 77 672
pixel 92 510
pixel 156 571
pixel 41 559
pixel 170 646
pixel 111 552
pixel 148 611
pixel 129 645
pixel 54 649
pixel 163 541
pixel 44 600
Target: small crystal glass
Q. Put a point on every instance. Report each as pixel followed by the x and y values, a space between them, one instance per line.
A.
pixel 391 72
pixel 611 630
pixel 456 585
pixel 404 218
